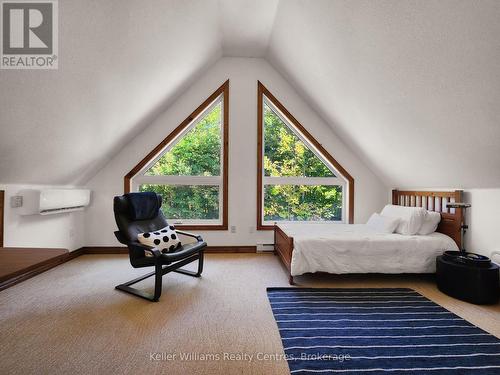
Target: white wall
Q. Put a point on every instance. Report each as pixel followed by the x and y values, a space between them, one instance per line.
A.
pixel 370 192
pixel 483 236
pixel 53 231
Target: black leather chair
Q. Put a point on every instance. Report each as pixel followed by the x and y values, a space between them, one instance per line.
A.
pixel 138 213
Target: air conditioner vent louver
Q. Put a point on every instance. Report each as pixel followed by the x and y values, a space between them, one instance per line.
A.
pixel 65 209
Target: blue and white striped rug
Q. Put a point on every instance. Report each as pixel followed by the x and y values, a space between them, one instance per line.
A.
pixel 396 331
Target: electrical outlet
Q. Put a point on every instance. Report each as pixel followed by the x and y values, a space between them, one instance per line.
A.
pixel 251 229
pixel 233 228
pixel 72 233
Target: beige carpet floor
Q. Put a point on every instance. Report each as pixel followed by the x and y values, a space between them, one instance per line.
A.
pixel 70 320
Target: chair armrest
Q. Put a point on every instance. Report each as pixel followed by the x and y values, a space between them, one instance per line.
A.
pixel 186 251
pixel 120 237
pixel 139 246
pixel 197 236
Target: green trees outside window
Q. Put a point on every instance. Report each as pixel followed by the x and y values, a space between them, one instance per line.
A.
pixel 197 153
pixel 302 203
pixel 189 174
pixel 286 155
pixel 188 202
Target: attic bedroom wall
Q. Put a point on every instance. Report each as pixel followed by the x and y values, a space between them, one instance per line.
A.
pixel 483 234
pixel 52 231
pixel 243 73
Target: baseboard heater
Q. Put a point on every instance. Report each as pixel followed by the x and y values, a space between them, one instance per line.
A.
pixel 265 247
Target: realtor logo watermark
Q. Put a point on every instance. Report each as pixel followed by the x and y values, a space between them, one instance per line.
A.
pixel 29 34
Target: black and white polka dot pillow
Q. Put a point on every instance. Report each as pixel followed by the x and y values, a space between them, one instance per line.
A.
pixel 166 239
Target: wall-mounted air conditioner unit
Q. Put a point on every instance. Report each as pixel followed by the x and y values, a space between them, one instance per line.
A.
pixel 53 201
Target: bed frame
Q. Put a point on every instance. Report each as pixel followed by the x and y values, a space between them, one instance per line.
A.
pixel 451 219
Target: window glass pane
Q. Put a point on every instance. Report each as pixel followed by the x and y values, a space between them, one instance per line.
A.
pixel 285 154
pixel 302 202
pixel 188 202
pixel 197 153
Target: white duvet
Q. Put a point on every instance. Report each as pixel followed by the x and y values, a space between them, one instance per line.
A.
pixel 355 248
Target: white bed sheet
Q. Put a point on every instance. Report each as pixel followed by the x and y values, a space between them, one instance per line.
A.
pixel 355 248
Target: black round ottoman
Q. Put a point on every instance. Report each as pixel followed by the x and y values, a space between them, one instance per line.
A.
pixel 478 284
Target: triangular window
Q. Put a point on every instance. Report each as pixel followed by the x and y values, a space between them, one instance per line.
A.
pixel 285 154
pixel 298 180
pixel 189 167
pixel 197 152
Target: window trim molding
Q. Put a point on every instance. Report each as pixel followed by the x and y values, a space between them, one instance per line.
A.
pixel 127 180
pixel 262 92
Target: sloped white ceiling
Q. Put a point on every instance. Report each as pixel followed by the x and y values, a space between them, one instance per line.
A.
pixel 120 62
pixel 247 26
pixel 412 86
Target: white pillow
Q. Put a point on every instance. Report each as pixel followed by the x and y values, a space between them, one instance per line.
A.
pixel 410 218
pixel 382 224
pixel 165 239
pixel 431 222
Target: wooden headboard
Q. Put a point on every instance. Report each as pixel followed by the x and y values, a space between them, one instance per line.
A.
pixel 451 218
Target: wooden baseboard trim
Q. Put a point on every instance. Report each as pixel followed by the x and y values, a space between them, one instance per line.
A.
pixel 39 268
pixel 51 263
pixel 231 249
pixel 208 249
pixel 104 250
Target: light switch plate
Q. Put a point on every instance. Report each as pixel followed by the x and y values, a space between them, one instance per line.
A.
pixel 16 201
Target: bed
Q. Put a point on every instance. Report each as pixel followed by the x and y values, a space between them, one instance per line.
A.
pixel 354 248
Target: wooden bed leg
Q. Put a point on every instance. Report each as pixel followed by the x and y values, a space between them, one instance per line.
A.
pixel 290 280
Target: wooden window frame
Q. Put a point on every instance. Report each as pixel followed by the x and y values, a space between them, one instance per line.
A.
pixel 262 92
pixel 223 89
